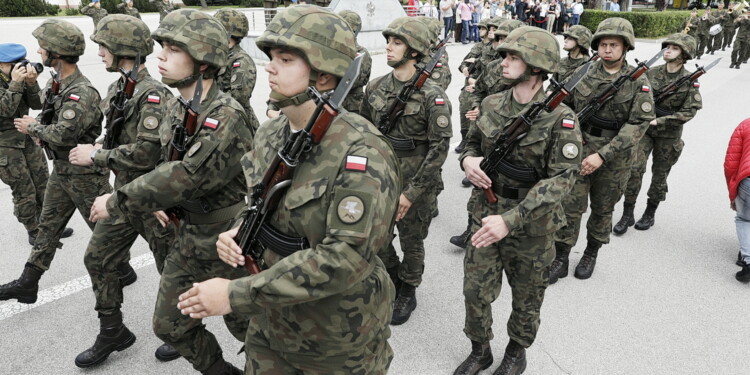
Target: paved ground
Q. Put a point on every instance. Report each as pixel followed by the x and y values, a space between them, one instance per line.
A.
pixel 660 302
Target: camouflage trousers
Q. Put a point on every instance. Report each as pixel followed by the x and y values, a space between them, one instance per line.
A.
pixel 65 194
pixel 727 37
pixel 717 41
pixel 412 230
pixel 25 170
pixel 110 246
pixel 740 51
pixel 666 152
pixel 194 260
pixel 703 44
pixel 525 261
pixel 464 102
pixel 605 187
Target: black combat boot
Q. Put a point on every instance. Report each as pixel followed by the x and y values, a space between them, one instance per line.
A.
pixel 462 239
pixel 166 353
pixel 559 267
pixel 744 274
pixel 460 148
pixel 647 220
pixel 731 65
pixel 737 66
pixel 479 359
pixel 393 274
pixel 405 304
pixel 127 274
pixel 465 182
pixel 113 337
pixel 222 367
pixel 514 360
pixel 627 219
pixel 67 232
pixel 25 288
pixel 588 261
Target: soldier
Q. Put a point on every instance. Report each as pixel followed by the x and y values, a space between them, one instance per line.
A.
pixel 664 135
pixel 692 24
pixel 611 136
pixel 164 7
pixel 95 11
pixel 741 48
pixel 329 302
pixel 703 37
pixel 515 234
pixel 353 101
pixel 206 185
pixel 22 163
pixel 75 119
pixel 121 40
pixel 237 78
pixel 577 43
pixel 728 27
pixel 126 7
pixel 442 73
pixel 426 124
pixel 719 17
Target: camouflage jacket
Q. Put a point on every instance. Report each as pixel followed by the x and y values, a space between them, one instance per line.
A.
pixel 694 23
pixel 15 100
pixel 95 13
pixel 488 83
pixel 426 120
pixel 474 53
pixel 632 107
pixel 567 67
pixel 488 55
pixel 551 148
pixel 442 72
pixel 163 8
pixel 328 299
pixel 77 120
pixel 130 11
pixel 353 101
pixel 139 147
pixel 683 104
pixel 743 26
pixel 210 171
pixel 238 79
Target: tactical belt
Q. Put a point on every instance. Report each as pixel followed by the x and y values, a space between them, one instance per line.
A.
pixel 523 174
pixel 406 147
pixel 60 154
pixel 196 206
pixel 603 123
pixel 280 243
pixel 661 111
pixel 510 192
pixel 215 216
pixel 4 128
pixel 598 132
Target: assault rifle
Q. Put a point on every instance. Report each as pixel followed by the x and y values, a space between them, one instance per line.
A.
pixel 116 112
pixel 441 43
pixel 267 193
pixel 660 95
pixel 48 108
pixel 521 124
pixel 609 92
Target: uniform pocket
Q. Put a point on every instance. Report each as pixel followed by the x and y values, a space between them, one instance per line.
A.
pixel 299 195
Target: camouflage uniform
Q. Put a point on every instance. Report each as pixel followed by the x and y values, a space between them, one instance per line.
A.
pixel 95 13
pixel 353 101
pixel 163 7
pixel 728 29
pixel 463 97
pixel 718 17
pixel 442 73
pixel 703 36
pixel 741 48
pixel 130 11
pixel 568 65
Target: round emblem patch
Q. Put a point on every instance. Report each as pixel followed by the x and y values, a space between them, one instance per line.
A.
pixel 351 209
pixel 570 150
pixel 442 121
pixel 150 123
pixel 646 107
pixel 193 149
pixel 69 114
pixel 234 77
pixel 697 97
pixel 435 75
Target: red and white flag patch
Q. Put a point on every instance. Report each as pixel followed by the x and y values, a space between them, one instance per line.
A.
pixel 211 123
pixel 439 101
pixel 236 64
pixel 568 123
pixel 356 163
pixel 696 84
pixel 74 97
pixel 645 88
pixel 154 99
pixel 439 65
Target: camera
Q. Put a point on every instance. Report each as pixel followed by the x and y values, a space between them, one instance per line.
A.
pixel 37 66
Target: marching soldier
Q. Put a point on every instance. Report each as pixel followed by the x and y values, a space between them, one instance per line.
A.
pixel 741 48
pixel 95 11
pixel 75 118
pixel 22 163
pixel 692 24
pixel 126 7
pixel 704 37
pixel 719 17
pixel 577 43
pixel 164 7
pixel 514 235
pixel 237 78
pixel 664 135
pixel 204 189
pixel 728 27
pixel 321 308
pixel 133 153
pixel 426 125
pixel 353 101
pixel 442 73
pixel 611 136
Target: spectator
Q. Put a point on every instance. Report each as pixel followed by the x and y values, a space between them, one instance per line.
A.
pixel 509 10
pixel 553 15
pixel 737 173
pixel 614 6
pixel 487 10
pixel 577 12
pixel 429 9
pixel 446 8
pixel 411 8
pixel 495 5
pixel 540 15
pixel 464 10
pixel 475 16
pixel 521 7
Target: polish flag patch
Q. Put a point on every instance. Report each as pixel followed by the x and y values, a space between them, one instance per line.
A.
pixel 74 97
pixel 356 163
pixel 154 99
pixel 645 88
pixel 568 123
pixel 211 123
pixel 696 84
pixel 439 65
pixel 236 64
pixel 439 101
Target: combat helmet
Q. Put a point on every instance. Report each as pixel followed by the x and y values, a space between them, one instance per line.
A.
pixel 582 35
pixel 506 27
pixel 124 36
pixel 234 21
pixel 686 42
pixel 495 22
pixel 434 30
pixel 353 19
pixel 323 38
pixel 412 32
pixel 614 26
pixel 59 37
pixel 538 48
pixel 483 23
pixel 198 34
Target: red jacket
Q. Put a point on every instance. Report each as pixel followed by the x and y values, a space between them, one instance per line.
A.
pixel 737 160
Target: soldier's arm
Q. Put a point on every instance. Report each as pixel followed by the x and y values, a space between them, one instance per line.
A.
pixel 242 80
pixel 481 90
pixel 473 54
pixel 121 6
pixel 87 10
pixel 10 99
pixel 365 109
pixel 33 96
pixel 641 114
pixel 79 106
pixel 693 102
pixel 474 136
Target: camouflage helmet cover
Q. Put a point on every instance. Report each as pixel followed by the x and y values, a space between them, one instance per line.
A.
pixel 614 26
pixel 321 36
pixel 686 42
pixel 581 34
pixel 234 21
pixel 412 32
pixel 60 37
pixel 495 22
pixel 353 19
pixel 507 26
pixel 538 48
pixel 199 34
pixel 434 30
pixel 124 36
pixel 483 23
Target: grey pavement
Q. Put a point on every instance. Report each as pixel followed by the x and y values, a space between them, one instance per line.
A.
pixel 663 301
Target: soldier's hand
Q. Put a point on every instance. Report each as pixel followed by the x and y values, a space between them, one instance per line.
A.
pixel 271 114
pixel 81 155
pixel 473 115
pixel 18 74
pixel 403 207
pixel 465 72
pixel 475 174
pixel 208 298
pixel 591 163
pixel 31 76
pixel 493 229
pixel 22 124
pixel 472 81
pixel 469 88
pixel 163 218
pixel 228 250
pixel 652 123
pixel 99 208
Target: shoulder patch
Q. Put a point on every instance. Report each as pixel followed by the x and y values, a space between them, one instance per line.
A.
pixel 645 88
pixel 236 64
pixel 646 107
pixel 211 123
pixel 697 97
pixel 435 75
pixel 74 97
pixel 442 121
pixel 570 150
pixel 150 123
pixel 696 84
pixel 356 163
pixel 154 99
pixel 193 149
pixel 439 101
pixel 439 65
pixel 568 123
pixel 69 114
pixel 351 209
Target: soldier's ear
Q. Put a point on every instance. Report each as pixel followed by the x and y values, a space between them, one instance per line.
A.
pixel 326 81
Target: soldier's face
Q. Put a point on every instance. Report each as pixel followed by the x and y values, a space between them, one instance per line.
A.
pixel 611 49
pixel 569 43
pixel 482 32
pixel 513 66
pixel 492 30
pixel 5 68
pixel 672 52
pixel 395 49
pixel 174 62
pixel 288 72
pixel 107 57
pixel 43 54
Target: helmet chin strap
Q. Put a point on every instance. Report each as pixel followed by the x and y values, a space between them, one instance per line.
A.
pixel 404 59
pixel 522 78
pixel 280 100
pixel 185 81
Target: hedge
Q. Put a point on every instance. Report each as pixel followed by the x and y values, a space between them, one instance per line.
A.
pixel 23 8
pixel 645 24
pixel 143 6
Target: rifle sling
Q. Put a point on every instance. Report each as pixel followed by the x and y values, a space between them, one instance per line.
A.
pixel 406 147
pixel 509 192
pixel 213 217
pixel 524 174
pixel 280 243
pixel 661 111
pixel 598 132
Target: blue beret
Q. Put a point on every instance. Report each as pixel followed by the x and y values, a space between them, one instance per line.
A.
pixel 10 52
pixel 94 1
